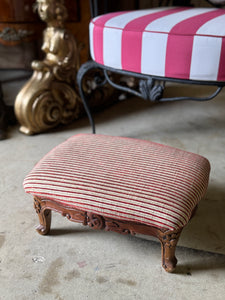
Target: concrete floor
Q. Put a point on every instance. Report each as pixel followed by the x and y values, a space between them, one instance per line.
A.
pixel 75 262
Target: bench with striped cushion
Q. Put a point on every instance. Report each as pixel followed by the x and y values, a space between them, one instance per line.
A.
pixel 120 184
pixel 176 42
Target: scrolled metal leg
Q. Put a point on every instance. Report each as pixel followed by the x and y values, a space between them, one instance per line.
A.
pixel 84 69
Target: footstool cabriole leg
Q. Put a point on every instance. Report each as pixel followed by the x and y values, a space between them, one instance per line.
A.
pixel 44 215
pixel 169 241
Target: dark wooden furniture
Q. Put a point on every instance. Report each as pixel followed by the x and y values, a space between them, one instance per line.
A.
pixel 20 30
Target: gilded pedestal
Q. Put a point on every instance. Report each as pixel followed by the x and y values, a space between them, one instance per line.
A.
pixel 50 96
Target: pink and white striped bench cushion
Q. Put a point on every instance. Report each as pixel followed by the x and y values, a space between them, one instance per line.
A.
pixel 176 42
pixel 122 178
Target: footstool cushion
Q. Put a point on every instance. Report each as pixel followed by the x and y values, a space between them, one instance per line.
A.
pixel 123 179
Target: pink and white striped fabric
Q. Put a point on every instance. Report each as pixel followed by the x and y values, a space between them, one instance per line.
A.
pixel 176 42
pixel 122 178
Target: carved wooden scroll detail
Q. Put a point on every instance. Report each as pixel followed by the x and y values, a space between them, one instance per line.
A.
pixel 118 227
pixel 95 221
pixel 169 240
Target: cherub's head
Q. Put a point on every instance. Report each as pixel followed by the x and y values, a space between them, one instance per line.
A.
pixel 52 11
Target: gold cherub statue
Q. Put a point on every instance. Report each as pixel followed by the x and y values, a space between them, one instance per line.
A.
pixel 50 96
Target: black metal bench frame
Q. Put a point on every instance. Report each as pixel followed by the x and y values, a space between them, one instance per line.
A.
pixel 147 87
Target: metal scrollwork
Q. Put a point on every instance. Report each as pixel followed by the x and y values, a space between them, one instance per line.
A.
pixel 151 91
pixel 94 89
pixel 146 86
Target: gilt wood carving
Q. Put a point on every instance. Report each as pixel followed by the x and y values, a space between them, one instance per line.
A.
pixel 167 238
pixel 50 97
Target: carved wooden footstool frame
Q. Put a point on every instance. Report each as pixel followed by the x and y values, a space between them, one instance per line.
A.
pixel 168 238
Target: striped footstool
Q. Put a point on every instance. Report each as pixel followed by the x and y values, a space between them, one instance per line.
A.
pixel 120 184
